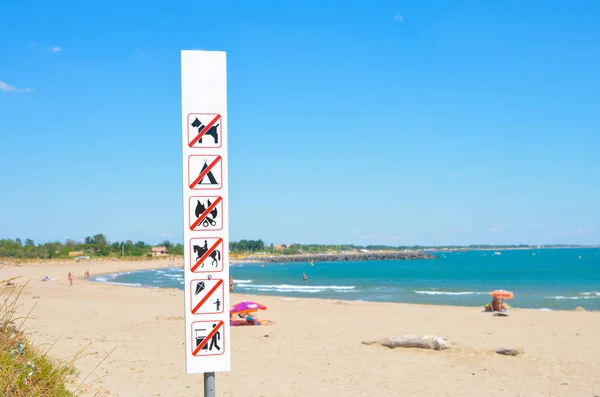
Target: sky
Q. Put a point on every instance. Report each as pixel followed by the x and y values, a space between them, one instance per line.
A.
pixel 387 122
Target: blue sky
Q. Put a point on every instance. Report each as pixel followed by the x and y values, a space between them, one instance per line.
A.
pixel 387 122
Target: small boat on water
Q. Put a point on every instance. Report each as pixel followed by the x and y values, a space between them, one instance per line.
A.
pixel 497 253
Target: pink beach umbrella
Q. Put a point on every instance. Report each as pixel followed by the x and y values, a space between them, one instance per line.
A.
pixel 247 307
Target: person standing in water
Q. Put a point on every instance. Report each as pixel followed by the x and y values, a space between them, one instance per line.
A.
pixel 304 278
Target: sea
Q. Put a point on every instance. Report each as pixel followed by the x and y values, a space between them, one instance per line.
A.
pixel 547 279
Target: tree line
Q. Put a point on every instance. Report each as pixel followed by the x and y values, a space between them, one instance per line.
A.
pixel 97 245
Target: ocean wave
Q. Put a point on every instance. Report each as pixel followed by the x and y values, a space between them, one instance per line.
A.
pixel 571 297
pixel 106 277
pixel 591 293
pixel 127 284
pixel 449 293
pixel 241 281
pixel 179 276
pixel 311 289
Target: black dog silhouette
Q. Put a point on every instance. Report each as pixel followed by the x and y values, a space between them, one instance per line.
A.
pixel 212 131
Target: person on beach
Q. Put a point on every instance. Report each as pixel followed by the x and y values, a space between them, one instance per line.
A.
pixel 70 277
pixel 252 319
pixel 87 275
pixel 496 306
pixel 230 284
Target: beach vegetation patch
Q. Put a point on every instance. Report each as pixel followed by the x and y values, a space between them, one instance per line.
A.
pixel 26 370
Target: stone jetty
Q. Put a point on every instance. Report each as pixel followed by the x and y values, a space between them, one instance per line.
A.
pixel 344 257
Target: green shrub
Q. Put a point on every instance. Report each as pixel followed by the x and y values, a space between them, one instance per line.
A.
pixel 24 370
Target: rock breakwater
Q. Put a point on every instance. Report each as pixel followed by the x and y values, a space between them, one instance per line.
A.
pixel 345 257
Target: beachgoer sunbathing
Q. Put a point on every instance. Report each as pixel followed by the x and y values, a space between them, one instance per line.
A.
pixel 251 319
pixel 497 306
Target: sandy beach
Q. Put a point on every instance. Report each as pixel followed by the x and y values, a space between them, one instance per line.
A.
pixel 314 348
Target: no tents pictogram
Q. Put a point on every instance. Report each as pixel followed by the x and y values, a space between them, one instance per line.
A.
pixel 208 216
pixel 212 298
pixel 209 171
pixel 204 130
pixel 210 343
pixel 203 252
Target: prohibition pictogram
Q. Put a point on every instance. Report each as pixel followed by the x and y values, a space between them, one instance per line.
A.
pixel 205 255
pixel 204 130
pixel 208 342
pixel 209 171
pixel 208 211
pixel 210 300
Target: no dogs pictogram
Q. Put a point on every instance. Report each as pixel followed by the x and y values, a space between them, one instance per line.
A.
pixel 205 172
pixel 204 130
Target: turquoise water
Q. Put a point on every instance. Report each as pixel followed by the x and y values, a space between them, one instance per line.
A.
pixel 541 278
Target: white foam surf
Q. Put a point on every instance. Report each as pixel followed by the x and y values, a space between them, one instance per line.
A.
pixel 309 289
pixel 449 293
pixel 560 297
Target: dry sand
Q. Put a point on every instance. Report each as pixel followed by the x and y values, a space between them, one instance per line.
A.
pixel 313 349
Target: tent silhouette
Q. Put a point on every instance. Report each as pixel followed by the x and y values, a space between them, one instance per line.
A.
pixel 210 175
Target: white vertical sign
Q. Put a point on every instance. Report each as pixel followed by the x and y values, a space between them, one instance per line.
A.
pixel 205 210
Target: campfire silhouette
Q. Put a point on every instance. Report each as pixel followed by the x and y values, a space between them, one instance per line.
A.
pixel 210 217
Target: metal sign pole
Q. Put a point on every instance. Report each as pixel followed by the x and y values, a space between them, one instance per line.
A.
pixel 209 384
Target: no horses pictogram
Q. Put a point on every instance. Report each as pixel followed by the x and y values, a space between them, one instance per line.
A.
pixel 208 254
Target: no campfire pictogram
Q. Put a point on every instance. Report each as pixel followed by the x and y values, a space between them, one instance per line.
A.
pixel 205 255
pixel 208 211
pixel 208 344
pixel 204 130
pixel 205 172
pixel 210 300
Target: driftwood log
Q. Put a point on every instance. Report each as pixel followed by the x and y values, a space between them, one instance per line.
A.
pixel 421 342
pixel 508 352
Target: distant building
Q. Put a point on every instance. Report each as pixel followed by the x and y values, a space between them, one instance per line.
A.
pixel 364 250
pixel 159 251
pixel 75 253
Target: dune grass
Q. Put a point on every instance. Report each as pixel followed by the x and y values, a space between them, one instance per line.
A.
pixel 25 370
